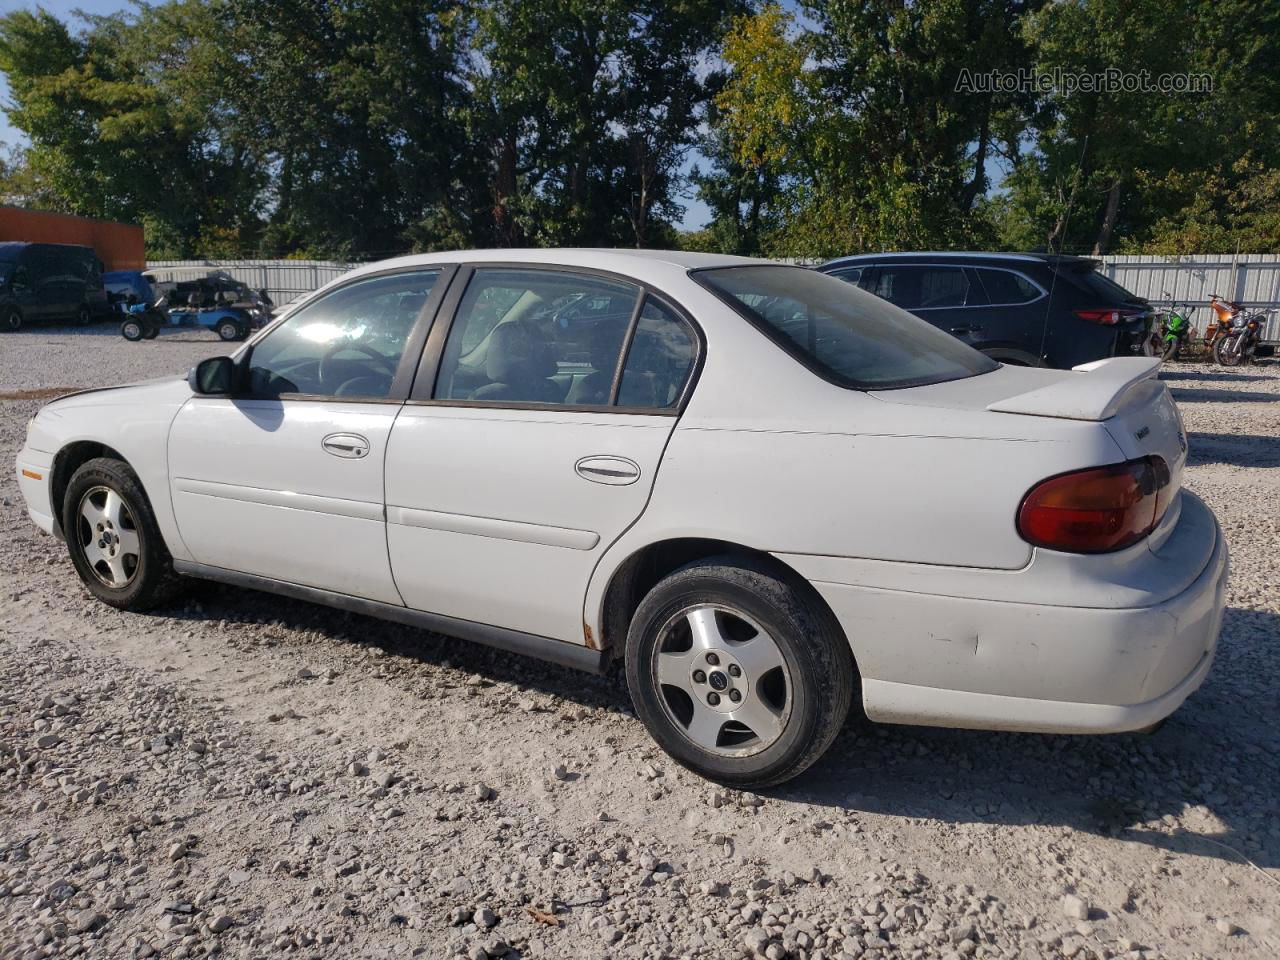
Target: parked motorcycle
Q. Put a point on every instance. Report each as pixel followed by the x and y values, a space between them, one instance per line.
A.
pixel 1240 341
pixel 1171 330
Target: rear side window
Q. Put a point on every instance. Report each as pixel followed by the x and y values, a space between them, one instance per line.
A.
pixel 659 359
pixel 841 333
pixel 1006 288
pixel 919 287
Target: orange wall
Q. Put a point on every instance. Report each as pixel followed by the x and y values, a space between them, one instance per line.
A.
pixel 118 245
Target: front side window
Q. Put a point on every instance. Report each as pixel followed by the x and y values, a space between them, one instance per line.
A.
pixel 349 343
pixel 842 333
pixel 916 287
pixel 536 336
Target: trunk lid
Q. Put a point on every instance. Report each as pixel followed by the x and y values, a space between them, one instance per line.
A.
pixel 1121 395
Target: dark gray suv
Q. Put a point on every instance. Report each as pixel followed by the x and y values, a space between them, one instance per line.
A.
pixel 1031 309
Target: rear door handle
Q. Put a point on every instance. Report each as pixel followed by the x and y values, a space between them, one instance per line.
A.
pixel 349 446
pixel 615 471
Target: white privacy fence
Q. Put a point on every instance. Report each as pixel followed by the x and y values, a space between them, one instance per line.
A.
pixel 1251 279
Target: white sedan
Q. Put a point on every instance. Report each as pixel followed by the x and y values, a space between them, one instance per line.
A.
pixel 764 489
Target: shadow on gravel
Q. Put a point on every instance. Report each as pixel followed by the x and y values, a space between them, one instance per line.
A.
pixel 1210 776
pixel 1192 395
pixel 1236 449
pixel 1167 374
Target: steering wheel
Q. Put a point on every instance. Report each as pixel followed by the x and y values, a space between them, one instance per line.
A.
pixel 386 364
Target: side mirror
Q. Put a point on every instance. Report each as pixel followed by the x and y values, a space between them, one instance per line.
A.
pixel 215 377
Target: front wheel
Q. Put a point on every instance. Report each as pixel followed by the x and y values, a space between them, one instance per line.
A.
pixel 738 673
pixel 1170 349
pixel 12 320
pixel 132 330
pixel 229 330
pixel 1226 350
pixel 83 315
pixel 113 538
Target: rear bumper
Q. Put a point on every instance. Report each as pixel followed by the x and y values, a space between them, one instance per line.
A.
pixel 1004 665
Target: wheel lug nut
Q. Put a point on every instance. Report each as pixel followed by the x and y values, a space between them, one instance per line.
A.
pixel 712 659
pixel 713 699
pixel 735 696
pixel 699 677
pixel 735 670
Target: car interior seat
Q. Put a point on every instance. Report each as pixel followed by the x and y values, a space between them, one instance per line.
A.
pixel 519 364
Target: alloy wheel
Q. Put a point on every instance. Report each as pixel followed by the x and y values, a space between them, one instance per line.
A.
pixel 108 536
pixel 722 680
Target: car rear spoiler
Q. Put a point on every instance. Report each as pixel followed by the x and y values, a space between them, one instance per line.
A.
pixel 1097 393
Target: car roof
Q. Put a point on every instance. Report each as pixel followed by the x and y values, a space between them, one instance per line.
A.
pixel 974 255
pixel 619 260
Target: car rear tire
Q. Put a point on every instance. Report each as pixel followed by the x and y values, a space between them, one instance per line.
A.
pixel 12 320
pixel 132 330
pixel 84 315
pixel 229 330
pixel 114 541
pixel 739 673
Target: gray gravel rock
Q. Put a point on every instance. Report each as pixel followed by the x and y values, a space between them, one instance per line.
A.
pixel 912 843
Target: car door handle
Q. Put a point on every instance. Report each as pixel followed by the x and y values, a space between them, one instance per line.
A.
pixel 615 471
pixel 350 446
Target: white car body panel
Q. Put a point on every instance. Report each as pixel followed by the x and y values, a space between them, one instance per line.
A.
pixel 898 506
pixel 254 491
pixel 489 521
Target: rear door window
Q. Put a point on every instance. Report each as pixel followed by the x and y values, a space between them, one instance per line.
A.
pixel 536 336
pixel 1007 288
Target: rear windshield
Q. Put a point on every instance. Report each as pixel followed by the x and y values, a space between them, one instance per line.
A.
pixel 841 333
pixel 1104 287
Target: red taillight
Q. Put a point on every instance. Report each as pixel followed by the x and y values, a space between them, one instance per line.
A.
pixel 1096 510
pixel 1108 317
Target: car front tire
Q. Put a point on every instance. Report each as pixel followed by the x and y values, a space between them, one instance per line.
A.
pixel 12 320
pixel 229 331
pixel 114 541
pixel 739 673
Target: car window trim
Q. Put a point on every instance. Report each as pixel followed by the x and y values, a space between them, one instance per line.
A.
pixel 422 393
pixel 402 381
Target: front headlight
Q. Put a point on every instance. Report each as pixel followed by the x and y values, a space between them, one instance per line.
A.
pixel 30 425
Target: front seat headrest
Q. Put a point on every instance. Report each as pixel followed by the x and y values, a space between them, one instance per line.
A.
pixel 516 353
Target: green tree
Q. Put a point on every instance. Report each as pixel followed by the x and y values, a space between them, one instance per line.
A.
pixel 1111 164
pixel 124 123
pixel 861 122
pixel 584 111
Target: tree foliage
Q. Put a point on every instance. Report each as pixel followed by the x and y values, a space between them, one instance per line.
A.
pixel 362 128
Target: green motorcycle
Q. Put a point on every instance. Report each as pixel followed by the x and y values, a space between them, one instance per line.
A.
pixel 1172 331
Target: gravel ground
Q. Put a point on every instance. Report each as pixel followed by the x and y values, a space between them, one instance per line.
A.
pixel 248 776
